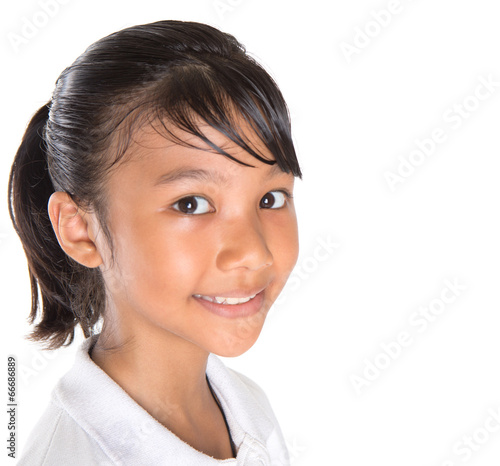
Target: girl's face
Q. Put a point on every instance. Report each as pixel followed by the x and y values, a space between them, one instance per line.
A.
pixel 191 228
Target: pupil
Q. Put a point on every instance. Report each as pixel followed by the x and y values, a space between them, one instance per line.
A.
pixel 268 200
pixel 188 205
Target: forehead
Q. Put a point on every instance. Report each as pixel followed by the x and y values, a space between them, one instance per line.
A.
pixel 180 146
pixel 157 164
pixel 208 174
pixel 159 156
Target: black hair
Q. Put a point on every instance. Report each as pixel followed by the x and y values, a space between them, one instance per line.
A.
pixel 178 73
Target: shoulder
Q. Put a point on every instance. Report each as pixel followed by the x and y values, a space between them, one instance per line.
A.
pixel 58 439
pixel 61 436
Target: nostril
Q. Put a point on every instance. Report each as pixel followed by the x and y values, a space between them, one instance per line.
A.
pixel 247 256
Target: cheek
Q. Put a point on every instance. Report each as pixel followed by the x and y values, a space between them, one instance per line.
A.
pixel 164 259
pixel 286 245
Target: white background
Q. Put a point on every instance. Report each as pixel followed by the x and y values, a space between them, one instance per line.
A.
pixel 355 117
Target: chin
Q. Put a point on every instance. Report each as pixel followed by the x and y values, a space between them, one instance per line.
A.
pixel 232 345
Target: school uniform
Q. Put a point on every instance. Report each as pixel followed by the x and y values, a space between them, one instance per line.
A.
pixel 92 421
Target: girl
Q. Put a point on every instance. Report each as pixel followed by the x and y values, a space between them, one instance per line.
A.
pixel 153 198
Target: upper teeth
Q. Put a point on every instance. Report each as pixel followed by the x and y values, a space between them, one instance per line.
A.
pixel 221 300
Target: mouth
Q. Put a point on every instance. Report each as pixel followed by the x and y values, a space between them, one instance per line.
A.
pixel 238 304
pixel 222 300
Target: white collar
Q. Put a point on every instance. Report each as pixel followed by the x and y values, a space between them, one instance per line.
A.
pixel 129 435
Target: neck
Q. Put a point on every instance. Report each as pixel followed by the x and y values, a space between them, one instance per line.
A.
pixel 165 374
pixel 162 372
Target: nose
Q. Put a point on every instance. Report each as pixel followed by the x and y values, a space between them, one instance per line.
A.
pixel 243 245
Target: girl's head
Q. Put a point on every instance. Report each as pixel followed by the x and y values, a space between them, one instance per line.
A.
pixel 167 157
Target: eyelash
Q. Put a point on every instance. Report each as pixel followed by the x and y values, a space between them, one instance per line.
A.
pixel 285 192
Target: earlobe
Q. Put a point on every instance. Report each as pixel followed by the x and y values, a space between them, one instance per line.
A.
pixel 74 230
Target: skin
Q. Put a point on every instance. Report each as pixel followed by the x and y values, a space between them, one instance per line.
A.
pixel 156 334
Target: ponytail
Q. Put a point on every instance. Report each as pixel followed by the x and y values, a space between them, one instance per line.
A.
pixel 52 273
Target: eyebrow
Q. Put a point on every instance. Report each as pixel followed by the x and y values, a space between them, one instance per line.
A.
pixel 198 174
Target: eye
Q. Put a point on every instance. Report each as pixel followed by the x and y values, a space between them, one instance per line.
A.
pixel 194 205
pixel 273 200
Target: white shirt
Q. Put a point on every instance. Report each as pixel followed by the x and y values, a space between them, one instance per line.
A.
pixel 92 421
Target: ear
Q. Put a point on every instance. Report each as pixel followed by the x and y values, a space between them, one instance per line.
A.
pixel 75 229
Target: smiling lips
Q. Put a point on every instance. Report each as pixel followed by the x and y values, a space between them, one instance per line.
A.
pixel 234 306
pixel 221 300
